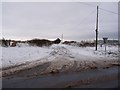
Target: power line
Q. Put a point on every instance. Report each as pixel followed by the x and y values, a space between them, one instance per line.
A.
pixel 87 16
pixel 109 11
pixel 99 8
pixel 87 4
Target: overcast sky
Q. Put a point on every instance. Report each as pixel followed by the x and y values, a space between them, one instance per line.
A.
pixel 49 20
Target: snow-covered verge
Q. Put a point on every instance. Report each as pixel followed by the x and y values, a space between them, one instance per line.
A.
pixel 19 55
pixel 60 58
pixel 111 51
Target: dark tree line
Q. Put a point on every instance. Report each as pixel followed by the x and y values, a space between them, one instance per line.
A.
pixel 33 42
pixel 43 42
pixel 80 44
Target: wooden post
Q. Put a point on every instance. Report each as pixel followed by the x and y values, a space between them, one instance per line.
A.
pixel 62 38
pixel 96 30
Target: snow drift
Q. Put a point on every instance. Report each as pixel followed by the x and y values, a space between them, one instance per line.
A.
pixel 59 58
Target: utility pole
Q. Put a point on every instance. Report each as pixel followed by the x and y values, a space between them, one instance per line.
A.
pixel 62 38
pixel 96 30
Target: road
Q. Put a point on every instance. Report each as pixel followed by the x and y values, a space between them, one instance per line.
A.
pixel 97 78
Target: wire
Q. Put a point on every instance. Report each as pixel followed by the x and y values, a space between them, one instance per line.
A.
pixel 99 8
pixel 87 4
pixel 87 16
pixel 109 11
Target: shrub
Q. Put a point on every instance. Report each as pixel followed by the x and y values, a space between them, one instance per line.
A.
pixel 40 42
pixel 4 43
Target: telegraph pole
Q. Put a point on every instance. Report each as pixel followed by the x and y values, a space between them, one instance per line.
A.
pixel 62 38
pixel 96 30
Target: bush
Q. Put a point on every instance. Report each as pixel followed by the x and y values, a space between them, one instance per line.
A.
pixel 57 41
pixel 80 44
pixel 87 43
pixel 4 43
pixel 40 42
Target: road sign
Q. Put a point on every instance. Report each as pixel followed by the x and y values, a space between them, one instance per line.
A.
pixel 105 41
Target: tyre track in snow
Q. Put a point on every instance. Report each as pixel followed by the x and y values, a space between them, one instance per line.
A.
pixel 59 60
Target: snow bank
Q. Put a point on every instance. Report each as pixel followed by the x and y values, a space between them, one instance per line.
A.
pixel 13 56
pixel 19 55
pixel 111 52
pixel 60 58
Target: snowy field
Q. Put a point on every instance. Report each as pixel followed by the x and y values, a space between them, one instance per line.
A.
pixel 20 55
pixel 13 56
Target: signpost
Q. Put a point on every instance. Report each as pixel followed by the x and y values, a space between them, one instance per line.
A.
pixel 105 41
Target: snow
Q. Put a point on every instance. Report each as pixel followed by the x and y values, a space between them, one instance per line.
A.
pixel 20 55
pixel 13 56
pixel 112 51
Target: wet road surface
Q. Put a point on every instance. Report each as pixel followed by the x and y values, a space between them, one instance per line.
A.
pixel 96 78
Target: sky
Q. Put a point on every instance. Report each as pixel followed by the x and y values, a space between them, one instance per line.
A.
pixel 49 20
